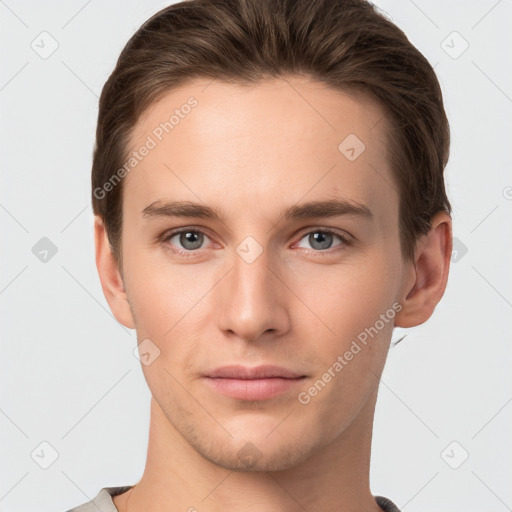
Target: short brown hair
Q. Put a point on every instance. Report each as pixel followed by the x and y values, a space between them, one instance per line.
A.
pixel 346 44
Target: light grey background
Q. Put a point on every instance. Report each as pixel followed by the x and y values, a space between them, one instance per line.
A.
pixel 68 374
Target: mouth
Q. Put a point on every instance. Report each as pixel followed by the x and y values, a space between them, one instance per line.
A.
pixel 257 383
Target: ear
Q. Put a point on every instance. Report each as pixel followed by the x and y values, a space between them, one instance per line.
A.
pixel 428 274
pixel 110 277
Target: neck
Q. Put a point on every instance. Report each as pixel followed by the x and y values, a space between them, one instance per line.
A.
pixel 177 478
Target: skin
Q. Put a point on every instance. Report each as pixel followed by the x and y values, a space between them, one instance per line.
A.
pixel 251 152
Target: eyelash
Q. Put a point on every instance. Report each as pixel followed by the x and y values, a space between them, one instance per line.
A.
pixel 165 237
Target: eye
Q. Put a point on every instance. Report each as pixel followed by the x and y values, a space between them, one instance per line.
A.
pixel 322 239
pixel 187 238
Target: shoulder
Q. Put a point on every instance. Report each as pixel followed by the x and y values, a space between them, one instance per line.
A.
pixel 102 501
pixel 386 504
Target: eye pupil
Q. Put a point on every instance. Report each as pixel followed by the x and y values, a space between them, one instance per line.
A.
pixel 321 237
pixel 193 237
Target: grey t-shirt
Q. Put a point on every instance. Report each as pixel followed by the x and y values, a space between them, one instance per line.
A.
pixel 103 501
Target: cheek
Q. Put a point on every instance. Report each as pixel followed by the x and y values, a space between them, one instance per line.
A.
pixel 167 318
pixel 353 338
pixel 351 357
pixel 169 305
pixel 162 294
pixel 342 300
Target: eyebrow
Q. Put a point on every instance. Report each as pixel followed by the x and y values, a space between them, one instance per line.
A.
pixel 312 209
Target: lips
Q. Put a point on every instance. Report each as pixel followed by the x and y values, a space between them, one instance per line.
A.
pixel 257 383
pixel 258 372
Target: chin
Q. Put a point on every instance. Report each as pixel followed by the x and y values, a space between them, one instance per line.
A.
pixel 254 457
pixel 267 446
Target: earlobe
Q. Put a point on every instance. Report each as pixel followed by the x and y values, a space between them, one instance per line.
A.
pixel 429 273
pixel 110 276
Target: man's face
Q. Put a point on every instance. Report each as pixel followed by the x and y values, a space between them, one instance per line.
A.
pixel 258 287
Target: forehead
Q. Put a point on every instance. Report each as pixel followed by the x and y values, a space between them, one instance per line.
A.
pixel 267 145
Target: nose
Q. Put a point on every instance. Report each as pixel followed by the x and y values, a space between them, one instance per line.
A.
pixel 252 300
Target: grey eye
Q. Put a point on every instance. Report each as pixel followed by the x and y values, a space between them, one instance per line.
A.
pixel 190 240
pixel 320 240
